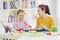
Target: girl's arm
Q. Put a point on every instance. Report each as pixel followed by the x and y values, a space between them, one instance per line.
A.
pixel 27 25
pixel 15 26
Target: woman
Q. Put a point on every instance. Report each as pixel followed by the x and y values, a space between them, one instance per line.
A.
pixel 44 21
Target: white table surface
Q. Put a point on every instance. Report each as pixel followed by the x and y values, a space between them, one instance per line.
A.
pixel 42 37
pixel 27 36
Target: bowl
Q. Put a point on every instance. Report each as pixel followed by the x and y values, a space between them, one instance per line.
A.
pixel 26 30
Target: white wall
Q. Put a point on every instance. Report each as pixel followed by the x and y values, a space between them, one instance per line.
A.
pixel 0 4
pixel 50 3
pixel 58 14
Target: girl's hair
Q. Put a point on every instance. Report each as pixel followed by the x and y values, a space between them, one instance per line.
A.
pixel 46 8
pixel 19 11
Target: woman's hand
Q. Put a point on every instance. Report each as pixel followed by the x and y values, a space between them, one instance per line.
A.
pixel 41 27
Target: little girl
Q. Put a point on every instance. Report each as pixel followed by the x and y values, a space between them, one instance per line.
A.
pixel 20 24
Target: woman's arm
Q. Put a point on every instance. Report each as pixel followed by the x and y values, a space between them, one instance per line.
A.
pixel 52 22
pixel 37 23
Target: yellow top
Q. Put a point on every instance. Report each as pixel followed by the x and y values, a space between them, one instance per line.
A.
pixel 48 22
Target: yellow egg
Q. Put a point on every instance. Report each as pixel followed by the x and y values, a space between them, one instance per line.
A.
pixel 21 33
pixel 14 11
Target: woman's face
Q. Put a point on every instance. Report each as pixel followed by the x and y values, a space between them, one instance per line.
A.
pixel 40 12
pixel 21 16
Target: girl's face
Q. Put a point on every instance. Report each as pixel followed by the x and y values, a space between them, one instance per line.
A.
pixel 41 12
pixel 21 16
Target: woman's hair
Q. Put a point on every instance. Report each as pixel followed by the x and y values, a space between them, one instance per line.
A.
pixel 19 11
pixel 46 8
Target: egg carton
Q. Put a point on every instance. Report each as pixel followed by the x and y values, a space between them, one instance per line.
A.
pixel 8 37
pixel 3 37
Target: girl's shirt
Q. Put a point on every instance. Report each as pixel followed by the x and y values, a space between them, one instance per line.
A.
pixel 20 24
pixel 48 22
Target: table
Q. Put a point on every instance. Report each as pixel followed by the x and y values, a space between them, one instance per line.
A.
pixel 40 36
pixel 30 36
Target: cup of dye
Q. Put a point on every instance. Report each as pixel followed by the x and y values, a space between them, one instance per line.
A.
pixel 54 29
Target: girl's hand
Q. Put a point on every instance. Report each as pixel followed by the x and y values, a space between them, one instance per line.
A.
pixel 16 27
pixel 20 29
